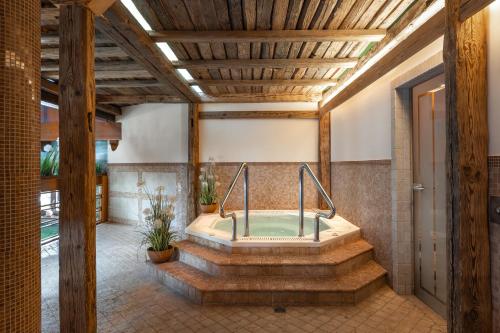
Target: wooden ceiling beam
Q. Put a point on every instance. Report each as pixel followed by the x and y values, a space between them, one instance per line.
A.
pixel 471 7
pixel 50 93
pixel 138 99
pixel 261 97
pixel 276 82
pixel 128 83
pixel 267 36
pixel 98 7
pixel 259 115
pixel 266 63
pixel 108 75
pixel 422 37
pixel 52 53
pixel 124 65
pixel 52 39
pixel 117 24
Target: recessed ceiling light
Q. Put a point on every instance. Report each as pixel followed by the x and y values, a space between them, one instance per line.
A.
pixel 129 4
pixel 167 51
pixel 185 74
pixel 198 90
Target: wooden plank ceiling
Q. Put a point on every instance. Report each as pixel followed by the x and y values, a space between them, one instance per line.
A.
pixel 277 50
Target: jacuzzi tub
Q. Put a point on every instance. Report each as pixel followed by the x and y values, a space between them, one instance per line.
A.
pixel 271 229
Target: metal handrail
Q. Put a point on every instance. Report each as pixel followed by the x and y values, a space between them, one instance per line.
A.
pixel 325 196
pixel 243 167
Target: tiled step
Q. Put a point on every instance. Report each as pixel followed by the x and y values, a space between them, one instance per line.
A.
pixel 333 263
pixel 203 288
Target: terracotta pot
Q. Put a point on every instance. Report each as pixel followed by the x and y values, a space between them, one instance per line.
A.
pixel 158 257
pixel 208 209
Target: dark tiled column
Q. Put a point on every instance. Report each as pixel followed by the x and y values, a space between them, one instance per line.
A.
pixel 20 304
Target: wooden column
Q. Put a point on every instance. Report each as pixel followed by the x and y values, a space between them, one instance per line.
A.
pixel 468 250
pixel 194 162
pixel 77 283
pixel 324 157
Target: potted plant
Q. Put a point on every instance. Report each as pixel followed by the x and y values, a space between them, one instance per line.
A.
pixel 157 234
pixel 208 188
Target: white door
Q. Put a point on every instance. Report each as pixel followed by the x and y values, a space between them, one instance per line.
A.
pixel 429 192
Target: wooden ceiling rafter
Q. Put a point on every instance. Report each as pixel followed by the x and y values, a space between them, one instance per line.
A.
pixel 137 99
pixel 302 45
pixel 431 30
pixel 118 24
pixel 50 93
pixel 267 36
pixel 266 63
pixel 262 83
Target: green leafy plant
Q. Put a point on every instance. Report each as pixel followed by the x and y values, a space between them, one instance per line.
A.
pixel 49 163
pixel 100 168
pixel 209 184
pixel 158 218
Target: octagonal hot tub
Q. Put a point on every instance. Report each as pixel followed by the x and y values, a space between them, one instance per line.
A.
pixel 271 229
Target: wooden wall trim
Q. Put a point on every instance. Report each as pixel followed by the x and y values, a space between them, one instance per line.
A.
pixel 259 115
pixel 468 250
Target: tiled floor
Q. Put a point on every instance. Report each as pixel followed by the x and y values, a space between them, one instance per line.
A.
pixel 129 300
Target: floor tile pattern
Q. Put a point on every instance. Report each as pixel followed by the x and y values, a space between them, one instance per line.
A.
pixel 130 300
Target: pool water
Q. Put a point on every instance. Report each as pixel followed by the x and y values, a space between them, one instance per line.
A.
pixel 284 225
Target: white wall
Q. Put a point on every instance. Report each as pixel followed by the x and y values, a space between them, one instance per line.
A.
pixel 361 127
pixel 153 133
pixel 259 140
pixel 494 79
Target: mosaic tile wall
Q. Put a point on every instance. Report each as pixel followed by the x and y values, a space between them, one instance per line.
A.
pixel 361 191
pixel 20 293
pixel 126 202
pixel 272 185
pixel 494 189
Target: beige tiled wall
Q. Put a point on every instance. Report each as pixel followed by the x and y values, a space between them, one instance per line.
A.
pixel 20 300
pixel 361 191
pixel 494 189
pixel 126 203
pixel 272 185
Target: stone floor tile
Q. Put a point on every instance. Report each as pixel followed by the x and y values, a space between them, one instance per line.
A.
pixel 129 300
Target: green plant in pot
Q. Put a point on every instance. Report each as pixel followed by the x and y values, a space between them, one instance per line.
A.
pixel 208 188
pixel 49 162
pixel 158 237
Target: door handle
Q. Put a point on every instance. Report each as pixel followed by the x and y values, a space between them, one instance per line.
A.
pixel 418 187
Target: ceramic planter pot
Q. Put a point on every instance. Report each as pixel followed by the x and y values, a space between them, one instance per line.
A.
pixel 208 209
pixel 158 257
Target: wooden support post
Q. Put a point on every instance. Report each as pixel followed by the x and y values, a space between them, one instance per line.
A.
pixel 324 157
pixel 468 242
pixel 194 161
pixel 77 283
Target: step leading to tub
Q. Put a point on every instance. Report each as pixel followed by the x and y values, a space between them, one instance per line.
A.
pixel 203 288
pixel 332 263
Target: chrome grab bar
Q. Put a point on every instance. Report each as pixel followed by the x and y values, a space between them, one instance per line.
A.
pixel 243 167
pixel 321 190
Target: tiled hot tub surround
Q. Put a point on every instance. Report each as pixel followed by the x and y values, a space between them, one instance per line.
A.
pixel 494 189
pixel 361 191
pixel 126 203
pixel 273 185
